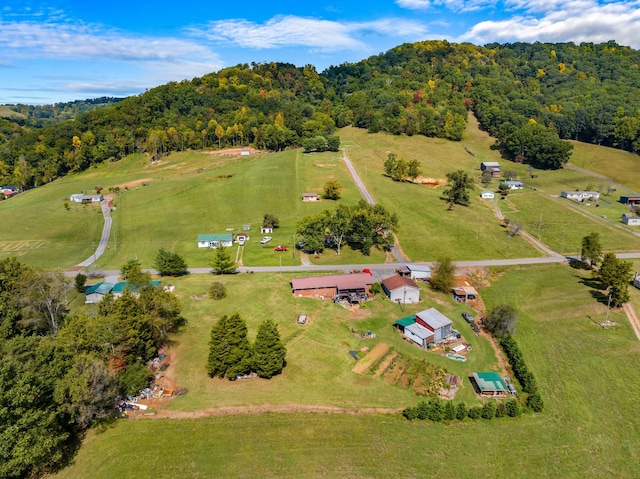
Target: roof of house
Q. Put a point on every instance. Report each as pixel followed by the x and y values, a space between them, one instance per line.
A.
pixel 581 193
pixel 216 237
pixel 434 318
pixel 419 267
pixel 339 281
pixel 490 163
pixel 489 382
pixel 513 183
pixel 487 192
pixel 99 288
pixel 397 281
pixel 122 285
pixel 406 321
pixel 419 330
pixel 310 194
pixel 465 291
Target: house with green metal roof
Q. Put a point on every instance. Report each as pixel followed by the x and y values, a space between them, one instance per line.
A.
pixel 95 292
pixel 215 240
pixel 490 384
pixel 404 322
pixel 118 288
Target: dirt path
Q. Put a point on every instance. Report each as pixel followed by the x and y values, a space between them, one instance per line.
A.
pixel 633 318
pixel 268 408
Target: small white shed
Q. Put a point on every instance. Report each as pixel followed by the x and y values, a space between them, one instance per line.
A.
pixel 487 195
pixel 401 289
pixel 419 271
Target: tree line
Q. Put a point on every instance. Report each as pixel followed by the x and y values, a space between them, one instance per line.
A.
pixel 61 373
pixel 530 97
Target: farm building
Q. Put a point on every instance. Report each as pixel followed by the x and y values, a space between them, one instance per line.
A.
pixel 266 229
pixel 490 384
pixel 215 240
pixel 464 293
pixel 82 198
pixel 352 287
pixel 242 237
pixel 435 321
pixel 8 190
pixel 415 271
pixel 487 195
pixel 631 220
pixel 630 200
pixel 580 195
pixel 636 280
pixel 310 197
pixel 491 166
pixel 401 289
pixel 513 185
pixel 418 334
pixel 426 327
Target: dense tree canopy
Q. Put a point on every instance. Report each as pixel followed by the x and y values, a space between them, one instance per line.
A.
pixel 528 96
pixel 61 373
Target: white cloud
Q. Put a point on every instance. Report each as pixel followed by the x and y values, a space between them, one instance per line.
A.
pixel 576 21
pixel 80 42
pixel 291 31
pixel 453 5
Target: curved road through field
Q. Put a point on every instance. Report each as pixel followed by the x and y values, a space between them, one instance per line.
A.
pixel 395 251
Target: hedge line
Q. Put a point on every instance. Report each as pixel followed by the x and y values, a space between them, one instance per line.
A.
pixel 522 373
pixel 437 410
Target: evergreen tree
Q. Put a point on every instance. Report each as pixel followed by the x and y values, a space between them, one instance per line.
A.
pixel 229 349
pixel 268 351
pixel 502 320
pixel 169 264
pixel 222 262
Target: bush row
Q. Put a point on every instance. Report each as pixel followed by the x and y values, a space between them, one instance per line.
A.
pixel 522 373
pixel 437 410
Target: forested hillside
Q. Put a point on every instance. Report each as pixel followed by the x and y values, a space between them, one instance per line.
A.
pixel 529 96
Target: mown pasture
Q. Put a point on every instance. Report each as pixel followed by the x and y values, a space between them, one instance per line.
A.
pixel 589 377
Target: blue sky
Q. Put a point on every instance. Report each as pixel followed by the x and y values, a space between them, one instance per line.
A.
pixel 63 50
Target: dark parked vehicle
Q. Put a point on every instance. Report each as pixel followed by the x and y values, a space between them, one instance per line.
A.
pixel 468 318
pixel 475 327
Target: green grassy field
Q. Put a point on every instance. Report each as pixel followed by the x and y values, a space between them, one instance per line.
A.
pixel 615 164
pixel 194 192
pixel 589 378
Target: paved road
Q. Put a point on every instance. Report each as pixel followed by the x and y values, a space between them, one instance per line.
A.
pixel 395 251
pixel 104 239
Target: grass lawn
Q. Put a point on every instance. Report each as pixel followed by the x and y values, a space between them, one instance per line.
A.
pixel 589 378
pixel 317 353
pixel 428 229
pixel 610 162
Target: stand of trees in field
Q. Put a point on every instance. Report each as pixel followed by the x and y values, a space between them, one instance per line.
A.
pixel 361 226
pixel 231 355
pixel 530 97
pixel 59 373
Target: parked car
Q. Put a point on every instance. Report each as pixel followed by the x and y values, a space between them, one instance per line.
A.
pixel 280 248
pixel 468 318
pixel 265 240
pixel 474 326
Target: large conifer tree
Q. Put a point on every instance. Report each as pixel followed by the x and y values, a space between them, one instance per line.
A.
pixel 229 349
pixel 268 351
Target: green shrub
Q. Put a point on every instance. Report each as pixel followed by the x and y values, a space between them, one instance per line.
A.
pixel 489 410
pixel 461 411
pixel 512 408
pixel 475 412
pixel 449 411
pixel 534 402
